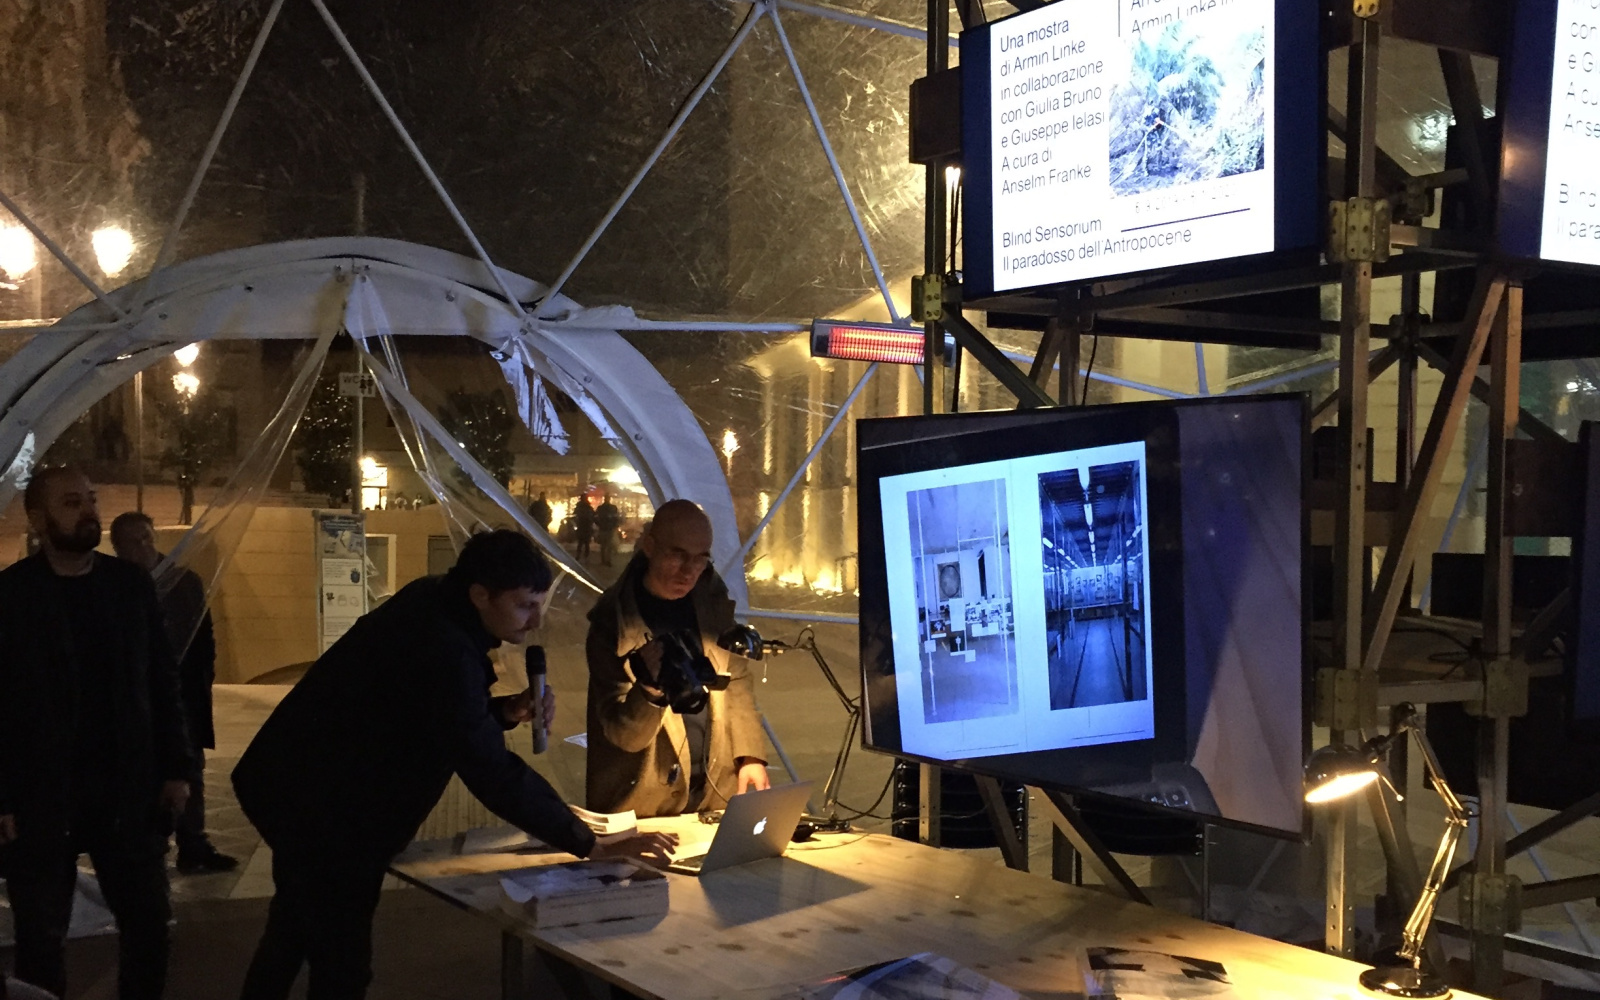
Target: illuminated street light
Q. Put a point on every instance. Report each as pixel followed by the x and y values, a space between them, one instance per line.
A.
pixel 113 248
pixel 730 443
pixel 186 355
pixel 17 253
pixel 186 384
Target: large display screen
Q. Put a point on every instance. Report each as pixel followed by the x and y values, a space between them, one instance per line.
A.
pixel 1103 600
pixel 1104 137
pixel 1550 193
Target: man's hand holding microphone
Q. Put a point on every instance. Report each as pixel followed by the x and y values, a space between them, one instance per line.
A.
pixel 537 705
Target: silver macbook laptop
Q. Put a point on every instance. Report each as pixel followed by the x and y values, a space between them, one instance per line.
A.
pixel 755 825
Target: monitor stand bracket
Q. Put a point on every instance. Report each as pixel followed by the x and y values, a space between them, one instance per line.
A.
pixel 1069 821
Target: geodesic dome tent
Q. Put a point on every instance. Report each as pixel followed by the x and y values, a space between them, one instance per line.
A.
pixel 722 171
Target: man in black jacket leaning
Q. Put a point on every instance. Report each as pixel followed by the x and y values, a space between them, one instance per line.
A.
pixel 93 749
pixel 355 757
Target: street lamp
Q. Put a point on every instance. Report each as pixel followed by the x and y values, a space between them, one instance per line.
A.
pixel 185 356
pixel 113 249
pixel 18 255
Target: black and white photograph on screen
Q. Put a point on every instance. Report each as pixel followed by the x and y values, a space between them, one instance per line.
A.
pixel 1095 591
pixel 965 626
pixel 1193 107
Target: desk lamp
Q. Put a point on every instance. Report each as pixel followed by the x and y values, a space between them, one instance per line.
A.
pixel 745 641
pixel 1335 772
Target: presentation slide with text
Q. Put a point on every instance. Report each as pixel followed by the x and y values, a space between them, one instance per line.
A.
pixel 1129 135
pixel 1571 225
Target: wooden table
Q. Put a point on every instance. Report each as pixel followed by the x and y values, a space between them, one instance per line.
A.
pixel 847 901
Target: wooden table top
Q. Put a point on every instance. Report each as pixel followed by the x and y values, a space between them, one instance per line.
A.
pixel 847 901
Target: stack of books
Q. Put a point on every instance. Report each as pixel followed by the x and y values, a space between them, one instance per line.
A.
pixel 584 892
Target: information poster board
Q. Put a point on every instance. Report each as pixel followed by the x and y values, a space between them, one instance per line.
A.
pixel 1550 189
pixel 1105 137
pixel 341 573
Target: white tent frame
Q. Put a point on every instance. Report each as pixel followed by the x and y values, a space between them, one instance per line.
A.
pixel 88 354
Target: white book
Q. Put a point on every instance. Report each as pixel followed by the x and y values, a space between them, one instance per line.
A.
pixel 608 824
pixel 583 892
pixel 498 840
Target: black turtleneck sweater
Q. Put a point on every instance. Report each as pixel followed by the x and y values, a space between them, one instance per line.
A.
pixel 355 757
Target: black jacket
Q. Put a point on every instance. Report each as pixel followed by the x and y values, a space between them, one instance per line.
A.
pixel 38 697
pixel 193 639
pixel 355 757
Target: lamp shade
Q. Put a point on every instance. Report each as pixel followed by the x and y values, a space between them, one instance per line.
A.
pixel 1335 772
pixel 742 640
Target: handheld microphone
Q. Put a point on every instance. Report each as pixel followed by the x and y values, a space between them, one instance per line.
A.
pixel 533 659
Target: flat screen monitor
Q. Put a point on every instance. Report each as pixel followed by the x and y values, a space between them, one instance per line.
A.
pixel 1549 191
pixel 1103 600
pixel 1106 137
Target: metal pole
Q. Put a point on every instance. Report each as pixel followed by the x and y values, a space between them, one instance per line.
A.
pixel 1349 570
pixel 838 172
pixel 936 213
pixel 169 242
pixel 138 441
pixel 816 449
pixel 1490 914
pixel 358 444
pixel 416 154
pixel 693 101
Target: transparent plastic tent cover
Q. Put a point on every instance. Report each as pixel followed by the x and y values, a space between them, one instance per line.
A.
pixel 704 177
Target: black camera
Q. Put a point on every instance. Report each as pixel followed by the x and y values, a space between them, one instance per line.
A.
pixel 686 677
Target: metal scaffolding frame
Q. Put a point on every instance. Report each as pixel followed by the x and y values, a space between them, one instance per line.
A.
pixel 1490 333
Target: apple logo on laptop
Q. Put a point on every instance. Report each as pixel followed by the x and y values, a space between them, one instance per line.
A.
pixel 759 827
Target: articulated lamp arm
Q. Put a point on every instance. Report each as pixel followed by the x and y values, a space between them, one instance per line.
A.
pixel 1456 817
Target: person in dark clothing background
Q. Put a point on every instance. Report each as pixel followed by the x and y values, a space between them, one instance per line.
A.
pixel 94 756
pixel 193 642
pixel 353 759
pixel 607 519
pixel 541 513
pixel 583 523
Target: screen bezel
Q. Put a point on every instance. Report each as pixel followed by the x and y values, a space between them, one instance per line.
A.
pixel 1298 154
pixel 873 573
pixel 1528 72
pixel 1525 129
pixel 1585 579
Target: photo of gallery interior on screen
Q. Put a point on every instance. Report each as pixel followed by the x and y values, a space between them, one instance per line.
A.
pixel 1033 561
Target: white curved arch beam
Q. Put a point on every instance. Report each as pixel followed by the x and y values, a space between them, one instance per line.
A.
pixel 293 290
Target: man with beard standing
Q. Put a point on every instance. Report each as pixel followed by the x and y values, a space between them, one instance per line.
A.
pixel 93 749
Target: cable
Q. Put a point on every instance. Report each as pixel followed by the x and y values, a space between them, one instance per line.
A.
pixel 868 811
pixel 1094 349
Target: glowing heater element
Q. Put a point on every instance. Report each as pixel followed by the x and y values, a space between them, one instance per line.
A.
pixel 880 342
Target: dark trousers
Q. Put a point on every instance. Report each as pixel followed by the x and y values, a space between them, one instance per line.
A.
pixel 132 872
pixel 320 917
pixel 191 827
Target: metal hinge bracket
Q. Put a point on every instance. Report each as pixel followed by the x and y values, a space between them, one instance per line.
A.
pixel 1358 230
